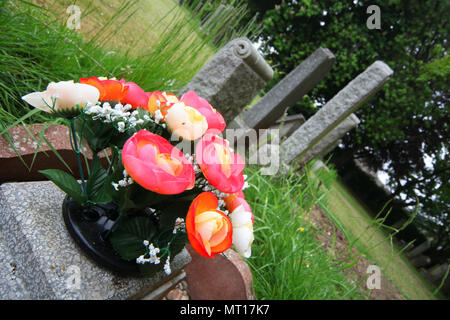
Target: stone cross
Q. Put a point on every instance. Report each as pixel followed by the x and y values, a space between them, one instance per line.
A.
pixel 345 102
pixel 231 78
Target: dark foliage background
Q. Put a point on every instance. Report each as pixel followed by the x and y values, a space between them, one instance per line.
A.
pixel 408 120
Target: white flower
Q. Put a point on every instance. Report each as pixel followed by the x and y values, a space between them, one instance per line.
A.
pixel 167 269
pixel 63 95
pixel 186 122
pixel 179 224
pixel 123 183
pixel 152 252
pixel 121 126
pixel 242 231
pixel 158 116
pixel 94 109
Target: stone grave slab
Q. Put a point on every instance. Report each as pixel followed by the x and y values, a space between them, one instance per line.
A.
pixel 43 257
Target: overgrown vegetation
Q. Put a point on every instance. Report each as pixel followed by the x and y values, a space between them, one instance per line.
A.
pixel 404 129
pixel 37 47
pixel 288 262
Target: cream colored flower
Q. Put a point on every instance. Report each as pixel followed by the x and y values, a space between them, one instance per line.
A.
pixel 186 122
pixel 242 231
pixel 63 96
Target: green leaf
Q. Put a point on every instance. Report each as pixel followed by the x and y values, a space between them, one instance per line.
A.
pixel 97 133
pixel 66 183
pixel 95 185
pixel 128 238
pixel 176 209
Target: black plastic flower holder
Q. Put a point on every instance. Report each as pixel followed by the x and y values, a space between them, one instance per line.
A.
pixel 89 227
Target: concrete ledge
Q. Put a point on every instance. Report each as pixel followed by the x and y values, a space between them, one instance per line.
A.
pixel 44 257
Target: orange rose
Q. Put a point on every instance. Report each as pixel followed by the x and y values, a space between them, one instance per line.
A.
pixel 209 230
pixel 109 89
pixel 161 101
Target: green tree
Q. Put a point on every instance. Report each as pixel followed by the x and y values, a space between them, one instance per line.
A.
pixel 408 120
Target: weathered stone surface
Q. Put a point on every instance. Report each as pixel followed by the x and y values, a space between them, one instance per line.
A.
pixel 44 254
pixel 289 90
pixel 288 124
pixel 330 141
pixel 231 78
pixel 244 271
pixel 348 100
pixel 11 287
pixel 437 272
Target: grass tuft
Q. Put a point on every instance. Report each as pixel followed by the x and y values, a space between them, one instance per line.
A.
pixel 288 262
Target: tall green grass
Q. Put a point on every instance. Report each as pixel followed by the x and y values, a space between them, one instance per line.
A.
pixel 288 262
pixel 157 44
pixel 36 47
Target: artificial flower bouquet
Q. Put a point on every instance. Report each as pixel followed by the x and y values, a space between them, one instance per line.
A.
pixel 137 209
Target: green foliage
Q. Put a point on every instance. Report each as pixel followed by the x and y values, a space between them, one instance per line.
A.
pixel 225 19
pixel 95 185
pixel 288 261
pixel 66 183
pixel 36 48
pixel 408 119
pixel 128 238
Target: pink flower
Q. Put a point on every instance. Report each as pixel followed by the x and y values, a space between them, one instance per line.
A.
pixel 135 96
pixel 156 165
pixel 221 167
pixel 214 118
pixel 235 200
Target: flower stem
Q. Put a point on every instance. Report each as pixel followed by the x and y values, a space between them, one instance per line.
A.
pixel 76 149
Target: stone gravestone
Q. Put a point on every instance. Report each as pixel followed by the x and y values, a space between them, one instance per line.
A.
pixel 420 261
pixel 419 249
pixel 231 78
pixel 289 90
pixel 288 124
pixel 272 107
pixel 41 261
pixel 348 100
pixel 331 140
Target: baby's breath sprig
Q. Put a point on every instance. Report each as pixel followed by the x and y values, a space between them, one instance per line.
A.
pixel 154 254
